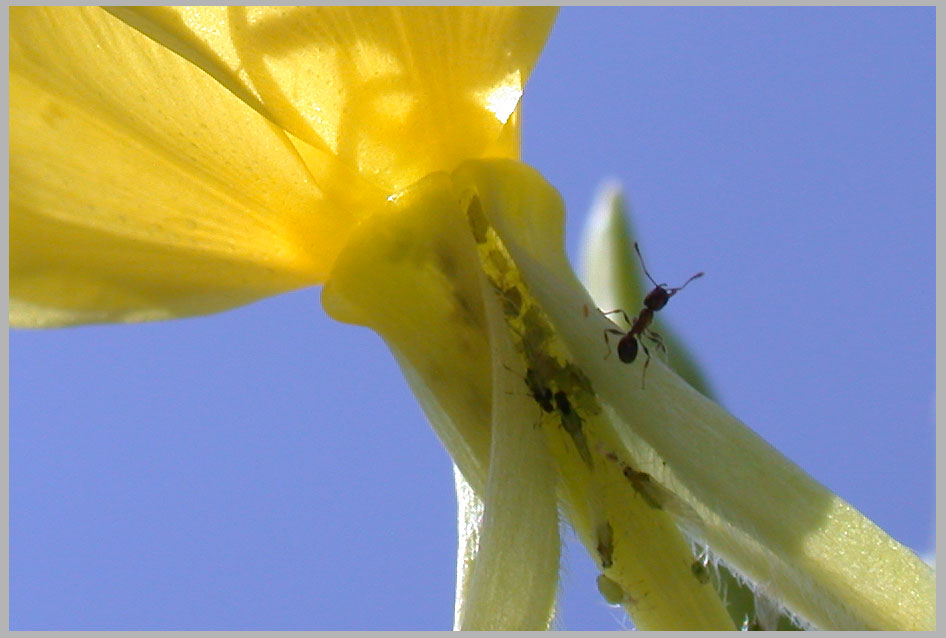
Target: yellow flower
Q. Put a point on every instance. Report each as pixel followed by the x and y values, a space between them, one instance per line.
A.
pixel 168 162
pixel 233 163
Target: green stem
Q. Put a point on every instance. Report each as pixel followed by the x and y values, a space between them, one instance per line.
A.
pixel 761 513
pixel 802 545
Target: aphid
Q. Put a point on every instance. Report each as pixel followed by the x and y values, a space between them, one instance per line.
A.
pixel 605 547
pixel 646 487
pixel 571 421
pixel 478 222
pixel 510 297
pixel 610 590
pixel 570 378
pixel 654 301
pixel 540 392
pixel 496 261
pixel 537 333
pixel 654 494
pixel 537 383
pixel 700 570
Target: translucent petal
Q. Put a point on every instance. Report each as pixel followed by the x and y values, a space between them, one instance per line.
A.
pixel 469 520
pixel 514 576
pixel 396 92
pixel 142 189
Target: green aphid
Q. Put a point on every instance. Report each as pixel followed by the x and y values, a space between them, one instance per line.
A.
pixel 496 261
pixel 478 222
pixel 659 497
pixel 646 487
pixel 539 391
pixel 701 571
pixel 610 590
pixel 545 365
pixel 510 297
pixel 572 424
pixel 512 302
pixel 537 332
pixel 571 379
pixel 578 377
pixel 605 546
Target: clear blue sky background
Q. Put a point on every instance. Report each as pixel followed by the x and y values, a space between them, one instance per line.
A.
pixel 267 468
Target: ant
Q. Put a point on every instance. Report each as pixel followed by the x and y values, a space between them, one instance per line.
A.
pixel 654 301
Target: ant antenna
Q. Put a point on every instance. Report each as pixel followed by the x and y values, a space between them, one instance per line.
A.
pixel 641 257
pixel 674 291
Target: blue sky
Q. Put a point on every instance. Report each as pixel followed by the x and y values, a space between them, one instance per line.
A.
pixel 267 468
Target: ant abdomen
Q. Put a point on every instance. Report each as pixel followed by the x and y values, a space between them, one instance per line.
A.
pixel 627 349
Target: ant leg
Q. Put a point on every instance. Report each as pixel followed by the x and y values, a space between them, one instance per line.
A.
pixel 646 363
pixel 658 340
pixel 626 318
pixel 612 331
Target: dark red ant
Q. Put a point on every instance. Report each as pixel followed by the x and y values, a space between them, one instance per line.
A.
pixel 654 301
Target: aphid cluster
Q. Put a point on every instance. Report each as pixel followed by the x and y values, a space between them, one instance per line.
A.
pixel 558 386
pixel 655 300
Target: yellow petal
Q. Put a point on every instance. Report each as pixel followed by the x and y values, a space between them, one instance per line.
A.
pixel 142 189
pixel 396 92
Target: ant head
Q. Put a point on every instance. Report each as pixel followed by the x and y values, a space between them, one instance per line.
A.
pixel 657 298
pixel 660 295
